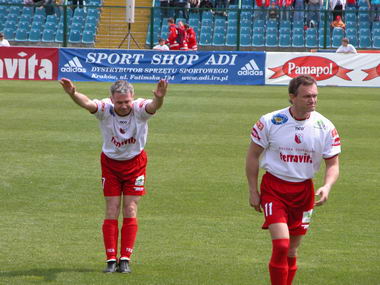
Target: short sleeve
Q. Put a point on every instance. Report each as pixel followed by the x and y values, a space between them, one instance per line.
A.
pixel 259 133
pixel 332 144
pixel 103 107
pixel 139 107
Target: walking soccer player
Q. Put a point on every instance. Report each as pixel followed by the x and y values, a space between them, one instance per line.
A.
pixel 292 141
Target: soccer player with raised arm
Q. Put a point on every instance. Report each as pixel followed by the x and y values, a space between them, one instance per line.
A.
pixel 124 125
pixel 290 145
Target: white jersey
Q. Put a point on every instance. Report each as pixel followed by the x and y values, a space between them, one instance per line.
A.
pixel 124 137
pixel 293 150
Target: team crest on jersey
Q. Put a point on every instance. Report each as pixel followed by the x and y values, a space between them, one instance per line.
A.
pixel 298 138
pixel 320 125
pixel 279 119
pixel 122 131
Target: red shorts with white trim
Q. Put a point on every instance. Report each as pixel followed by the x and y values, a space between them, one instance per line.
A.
pixel 125 177
pixel 287 202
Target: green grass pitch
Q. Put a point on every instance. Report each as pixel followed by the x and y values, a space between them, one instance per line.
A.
pixel 195 225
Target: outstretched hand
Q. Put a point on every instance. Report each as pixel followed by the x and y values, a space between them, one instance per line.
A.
pixel 68 86
pixel 160 91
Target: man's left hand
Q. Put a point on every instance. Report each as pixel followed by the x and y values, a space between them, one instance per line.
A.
pixel 323 194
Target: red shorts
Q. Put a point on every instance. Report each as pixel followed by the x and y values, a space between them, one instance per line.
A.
pixel 287 202
pixel 125 177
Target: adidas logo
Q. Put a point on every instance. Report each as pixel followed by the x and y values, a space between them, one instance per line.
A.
pixel 250 68
pixel 73 65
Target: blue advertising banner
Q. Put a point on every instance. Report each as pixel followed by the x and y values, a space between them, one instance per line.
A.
pixel 138 66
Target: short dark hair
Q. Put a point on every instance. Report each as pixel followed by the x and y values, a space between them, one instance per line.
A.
pixel 1 35
pixel 296 82
pixel 345 40
pixel 171 20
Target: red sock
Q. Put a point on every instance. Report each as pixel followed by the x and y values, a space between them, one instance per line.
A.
pixel 292 265
pixel 278 265
pixel 110 237
pixel 128 237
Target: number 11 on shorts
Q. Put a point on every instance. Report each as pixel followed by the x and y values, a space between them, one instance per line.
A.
pixel 268 209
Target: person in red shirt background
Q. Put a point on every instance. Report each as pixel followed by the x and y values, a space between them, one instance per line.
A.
pixel 191 38
pixel 173 35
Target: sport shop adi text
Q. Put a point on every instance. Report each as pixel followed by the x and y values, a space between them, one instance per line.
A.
pixel 159 59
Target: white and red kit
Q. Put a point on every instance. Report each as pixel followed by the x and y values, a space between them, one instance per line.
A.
pixel 191 39
pixel 293 151
pixel 123 159
pixel 172 37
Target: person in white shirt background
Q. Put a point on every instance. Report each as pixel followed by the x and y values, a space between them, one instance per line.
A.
pixel 3 41
pixel 346 47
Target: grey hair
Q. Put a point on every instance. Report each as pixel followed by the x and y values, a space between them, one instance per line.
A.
pixel 122 86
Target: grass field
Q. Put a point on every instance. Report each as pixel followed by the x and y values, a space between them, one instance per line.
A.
pixel 195 223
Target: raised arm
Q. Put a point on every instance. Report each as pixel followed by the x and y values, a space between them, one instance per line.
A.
pixel 158 98
pixel 252 172
pixel 79 98
pixel 331 176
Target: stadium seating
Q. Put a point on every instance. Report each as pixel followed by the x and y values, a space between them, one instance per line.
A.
pixel 245 40
pixel 271 40
pixel 48 36
pixel 284 40
pixel 219 39
pixel 231 39
pixel 258 40
pixel 21 35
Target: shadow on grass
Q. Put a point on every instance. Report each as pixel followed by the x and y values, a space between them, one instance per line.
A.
pixel 48 274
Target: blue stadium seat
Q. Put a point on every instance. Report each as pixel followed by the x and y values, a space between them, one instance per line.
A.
pixel 25 18
pixel 78 19
pixel 284 40
pixel 35 35
pixel 350 16
pixel 246 15
pixel 3 10
pixel 194 23
pixel 364 25
pixel 79 12
pixel 271 40
pixel 219 39
pixel 351 32
pixel 311 41
pixel 258 40
pixel 271 30
pixel 259 23
pixel 207 15
pixel 10 24
pixel 9 33
pixel 206 22
pixel 51 19
pixel 245 30
pixel 40 11
pixel 364 41
pixel 376 42
pixel 298 24
pixel 284 30
pixel 353 39
pixel 24 25
pixel 88 37
pixel 48 36
pixel 285 24
pixel 298 40
pixel 375 32
pixel 94 12
pixel 205 38
pixel 76 26
pixel 75 37
pixel 232 29
pixel 364 32
pixel 232 15
pixel 272 23
pixel 219 30
pixel 336 40
pixel 245 40
pixel 39 18
pixel 231 40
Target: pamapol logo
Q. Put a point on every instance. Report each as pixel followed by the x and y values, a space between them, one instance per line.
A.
pixel 73 65
pixel 250 68
pixel 319 67
pixel 372 73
